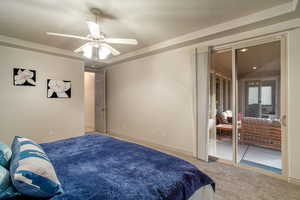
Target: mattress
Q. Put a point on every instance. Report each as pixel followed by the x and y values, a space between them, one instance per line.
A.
pixel 204 193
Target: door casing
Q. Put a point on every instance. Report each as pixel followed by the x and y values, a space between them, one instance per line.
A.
pixel 282 37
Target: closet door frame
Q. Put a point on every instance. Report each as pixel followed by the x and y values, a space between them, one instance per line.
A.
pixel 201 63
pixel 282 37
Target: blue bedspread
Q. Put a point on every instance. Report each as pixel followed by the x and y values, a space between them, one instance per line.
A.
pixel 97 167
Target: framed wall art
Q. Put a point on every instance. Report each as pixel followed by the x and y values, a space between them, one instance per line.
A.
pixel 24 77
pixel 58 88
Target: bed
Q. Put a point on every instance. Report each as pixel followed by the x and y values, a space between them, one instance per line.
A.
pixel 98 167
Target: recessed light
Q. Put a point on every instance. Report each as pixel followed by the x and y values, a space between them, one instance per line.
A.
pixel 244 50
pixel 254 68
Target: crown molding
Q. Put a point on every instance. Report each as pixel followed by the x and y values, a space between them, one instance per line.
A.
pixel 32 46
pixel 274 30
pixel 233 24
pixel 41 48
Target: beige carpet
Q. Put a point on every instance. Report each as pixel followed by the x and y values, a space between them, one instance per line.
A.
pixel 240 184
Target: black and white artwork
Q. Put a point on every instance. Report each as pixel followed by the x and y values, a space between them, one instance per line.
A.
pixel 24 77
pixel 58 89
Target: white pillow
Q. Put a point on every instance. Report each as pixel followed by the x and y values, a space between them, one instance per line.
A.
pixel 32 173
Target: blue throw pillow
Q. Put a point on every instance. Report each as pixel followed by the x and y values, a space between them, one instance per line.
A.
pixel 5 155
pixel 31 171
pixel 6 188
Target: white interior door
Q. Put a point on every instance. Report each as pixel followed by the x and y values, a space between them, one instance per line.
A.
pixel 202 77
pixel 89 101
pixel 100 101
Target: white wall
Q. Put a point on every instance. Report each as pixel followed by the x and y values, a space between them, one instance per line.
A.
pixel 89 100
pixel 294 103
pixel 151 99
pixel 26 111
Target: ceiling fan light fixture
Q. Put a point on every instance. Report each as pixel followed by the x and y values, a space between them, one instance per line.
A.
pixel 104 52
pixel 88 51
pixel 97 44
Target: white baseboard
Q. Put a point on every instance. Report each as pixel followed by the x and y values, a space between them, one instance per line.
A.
pixel 294 180
pixel 89 129
pixel 151 144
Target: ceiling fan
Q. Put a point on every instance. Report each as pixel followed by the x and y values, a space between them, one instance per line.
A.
pixel 97 40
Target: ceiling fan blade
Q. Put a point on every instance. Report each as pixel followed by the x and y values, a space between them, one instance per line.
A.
pixel 113 51
pixel 69 36
pixel 121 41
pixel 80 49
pixel 94 29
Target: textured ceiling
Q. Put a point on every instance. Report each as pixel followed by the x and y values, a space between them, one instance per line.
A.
pixel 222 63
pixel 148 21
pixel 265 57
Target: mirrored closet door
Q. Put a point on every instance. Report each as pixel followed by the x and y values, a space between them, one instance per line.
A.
pixel 220 106
pixel 247 105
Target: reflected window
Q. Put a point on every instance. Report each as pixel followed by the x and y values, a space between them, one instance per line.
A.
pixel 253 95
pixel 266 95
